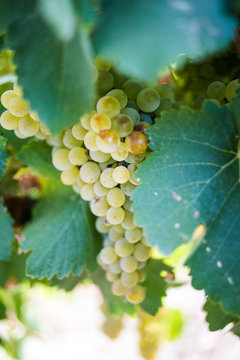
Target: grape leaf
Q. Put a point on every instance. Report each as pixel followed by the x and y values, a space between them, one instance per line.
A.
pixel 6 233
pixel 216 317
pixel 236 329
pixel 117 305
pixel 192 177
pixel 57 76
pixel 143 37
pixel 3 155
pixel 59 15
pixel 11 10
pixel 62 238
pixel 155 284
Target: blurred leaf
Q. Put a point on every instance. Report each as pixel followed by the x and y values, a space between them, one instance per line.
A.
pixel 59 15
pixel 6 233
pixel 3 155
pixel 11 10
pixel 155 284
pixel 56 76
pixel 144 37
pixel 87 10
pixel 216 317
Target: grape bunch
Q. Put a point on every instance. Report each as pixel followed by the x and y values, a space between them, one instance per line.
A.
pixel 218 91
pixel 98 157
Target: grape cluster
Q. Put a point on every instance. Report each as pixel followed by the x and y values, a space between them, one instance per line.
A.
pixel 19 117
pixel 98 157
pixel 217 90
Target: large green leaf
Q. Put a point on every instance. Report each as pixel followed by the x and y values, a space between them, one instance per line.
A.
pixel 57 76
pixel 59 15
pixel 6 233
pixel 155 284
pixel 216 317
pixel 11 10
pixel 192 177
pixel 62 238
pixel 3 155
pixel 143 37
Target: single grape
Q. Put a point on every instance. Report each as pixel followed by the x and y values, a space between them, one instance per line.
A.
pixel 113 234
pixel 129 279
pixel 118 288
pixel 99 156
pixel 18 107
pixel 121 153
pixel 123 248
pixel 141 252
pixel 148 100
pixel 134 235
pixel 85 120
pixel 108 255
pixel 115 215
pixel 128 188
pixel 100 122
pixel 79 132
pixel 77 156
pixel 105 81
pixel 28 127
pixel 216 90
pixel 69 177
pixel 90 172
pixel 34 115
pixel 166 91
pixel 128 222
pixel 110 276
pixel 108 141
pixel 90 140
pixel 128 264
pixel 69 140
pixel 7 96
pixel 87 192
pixel 108 105
pixel 9 121
pixel 136 295
pixel 61 161
pixel 231 89
pixel 106 178
pixel 136 142
pixel 101 226
pixel 115 267
pixel 122 124
pixel 142 127
pixel 132 113
pixel 132 88
pixel 120 96
pixel 120 174
pixel 165 105
pixel 99 189
pixel 99 206
pixel 115 197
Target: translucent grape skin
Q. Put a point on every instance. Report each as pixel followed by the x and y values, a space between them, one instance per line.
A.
pixel 122 124
pixel 136 143
pixel 108 141
pixel 148 100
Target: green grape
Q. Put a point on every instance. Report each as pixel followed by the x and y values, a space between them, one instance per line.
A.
pixel 77 156
pixel 129 279
pixel 7 96
pixel 108 255
pixel 141 275
pixel 110 276
pixel 18 107
pixel 165 105
pixel 105 81
pixel 118 288
pixel 108 105
pixel 132 104
pixel 128 205
pixel 128 264
pixel 28 127
pixel 79 132
pixel 123 248
pixel 115 197
pixel 141 252
pixel 132 113
pixel 128 222
pixel 231 89
pixel 19 135
pixel 166 91
pixel 115 215
pixel 85 120
pixel 216 90
pixel 128 188
pixel 99 156
pixel 136 143
pixel 106 178
pixel 120 96
pixel 101 226
pixel 90 172
pixel 114 235
pixel 132 88
pixel 99 189
pixel 121 153
pixel 9 121
pixel 87 192
pixel 61 161
pixel 108 141
pixel 34 115
pixel 115 267
pixel 148 100
pixel 55 140
pixel 136 295
pixel 120 174
pixel 99 206
pixel 102 64
pixel 100 122
pixel 69 140
pixel 69 177
pixel 134 235
pixel 122 124
pixel 90 140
